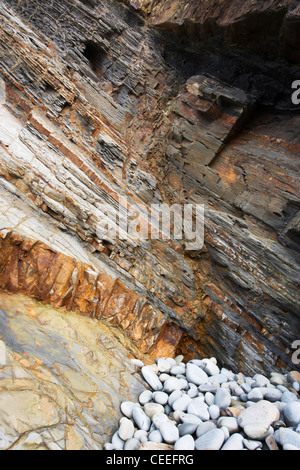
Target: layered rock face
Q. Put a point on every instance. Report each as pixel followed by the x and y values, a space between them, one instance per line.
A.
pixel 110 107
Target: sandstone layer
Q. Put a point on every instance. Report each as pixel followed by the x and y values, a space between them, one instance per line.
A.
pixel 140 103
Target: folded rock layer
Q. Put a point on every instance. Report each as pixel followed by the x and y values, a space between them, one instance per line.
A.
pixel 111 107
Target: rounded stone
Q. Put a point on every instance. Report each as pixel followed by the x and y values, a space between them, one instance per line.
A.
pixel 151 378
pixel 196 375
pixel 155 436
pixel 255 395
pixel 163 365
pixel 222 398
pixel 203 428
pixel 152 408
pixel 257 431
pixel 173 384
pixel 169 432
pixel 182 403
pixel 126 429
pixel 185 443
pixel 214 412
pixel 187 428
pixel 235 442
pixel 161 398
pixel 210 367
pixel 132 444
pixel 211 440
pixel 127 408
pixel 292 413
pixel 145 397
pixel 141 419
pixel 198 408
pixel 230 423
pixel 263 413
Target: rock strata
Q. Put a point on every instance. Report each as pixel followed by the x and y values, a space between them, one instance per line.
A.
pixel 240 423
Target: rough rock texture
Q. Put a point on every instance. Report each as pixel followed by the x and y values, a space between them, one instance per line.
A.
pixel 103 103
pixel 62 378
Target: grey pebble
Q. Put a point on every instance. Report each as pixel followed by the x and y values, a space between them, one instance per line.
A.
pixel 151 378
pixel 141 419
pixel 212 440
pixel 185 443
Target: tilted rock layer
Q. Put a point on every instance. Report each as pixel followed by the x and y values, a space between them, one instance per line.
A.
pixel 139 103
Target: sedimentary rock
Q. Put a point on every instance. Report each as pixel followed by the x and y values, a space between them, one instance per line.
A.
pixel 106 106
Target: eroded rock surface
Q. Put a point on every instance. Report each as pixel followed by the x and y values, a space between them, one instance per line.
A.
pixel 100 103
pixel 62 378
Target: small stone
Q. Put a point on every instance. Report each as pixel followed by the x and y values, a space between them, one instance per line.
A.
pixel 190 418
pixel 293 376
pixel 173 384
pixel 155 446
pixel 210 367
pixel 132 444
pixel 141 419
pixel 222 398
pixel 158 419
pixel 151 378
pixel 187 428
pixel 175 370
pixel 218 379
pixel 139 364
pixel 255 395
pixel 195 375
pixel 203 428
pixel 179 359
pixel 141 435
pixel 3 358
pixel 126 429
pixel 198 408
pixel 230 423
pixel 257 431
pixel 235 442
pixel 163 365
pixel 277 379
pixel 209 398
pixel 127 408
pixel 155 436
pixel 272 394
pixel 208 388
pixel 287 436
pixel 288 397
pixel 260 381
pixel 214 412
pixel 290 447
pixel 117 442
pixel 262 413
pixel 174 396
pixel 271 443
pixel 211 440
pixel 151 409
pixel 161 398
pixel 145 397
pixel 252 445
pixel 185 443
pixel 292 413
pixel 182 403
pixel 169 432
pixel 234 410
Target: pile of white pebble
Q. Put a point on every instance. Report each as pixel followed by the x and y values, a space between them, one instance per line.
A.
pixel 197 406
